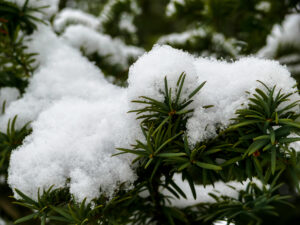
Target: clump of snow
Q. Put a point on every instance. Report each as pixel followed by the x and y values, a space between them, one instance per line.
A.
pixel 171 7
pixel 126 23
pixel 219 189
pixel 90 41
pixel 2 179
pixel 78 121
pixel 48 12
pixel 74 139
pixel 73 16
pixel 263 6
pixel 182 38
pixel 226 87
pixel 8 95
pixel 62 72
pixel 286 35
pixel 283 44
pixel 146 76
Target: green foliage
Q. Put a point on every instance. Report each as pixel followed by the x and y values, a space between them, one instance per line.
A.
pixel 9 141
pixel 247 208
pixel 247 21
pixel 16 64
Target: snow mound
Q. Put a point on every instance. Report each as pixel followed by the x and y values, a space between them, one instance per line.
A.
pixel 77 120
pixel 73 16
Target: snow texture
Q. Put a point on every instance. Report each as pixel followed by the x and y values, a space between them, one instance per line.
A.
pixel 225 88
pixel 79 118
pixel 90 41
pixel 73 16
pixel 194 36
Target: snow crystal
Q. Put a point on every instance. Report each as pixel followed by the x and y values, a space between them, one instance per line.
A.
pixel 73 16
pixel 219 189
pixel 90 41
pixel 8 94
pixel 48 12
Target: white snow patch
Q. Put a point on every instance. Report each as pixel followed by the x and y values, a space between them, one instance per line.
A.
pixel 285 35
pixel 73 16
pixel 114 50
pixel 226 88
pixel 8 94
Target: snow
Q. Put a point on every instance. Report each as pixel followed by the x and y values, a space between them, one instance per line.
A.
pixel 263 6
pixel 78 121
pixel 74 139
pixel 283 44
pixel 105 14
pixel 73 16
pixel 8 94
pixel 171 7
pixel 226 88
pixel 226 85
pixel 287 34
pixel 146 76
pixel 222 223
pixel 126 23
pixel 78 118
pixel 90 41
pixel 181 38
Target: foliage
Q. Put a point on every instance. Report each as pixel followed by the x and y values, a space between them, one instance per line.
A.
pixel 15 63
